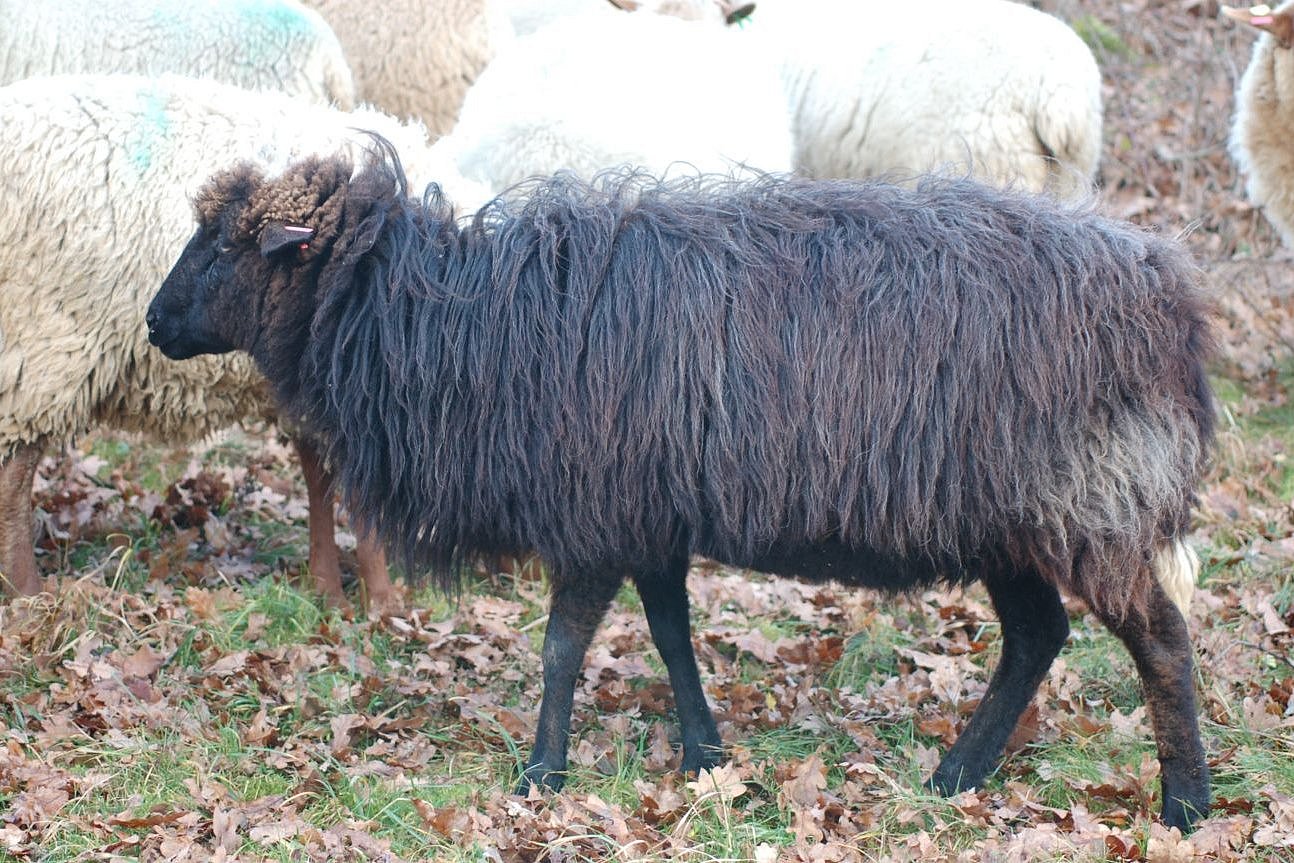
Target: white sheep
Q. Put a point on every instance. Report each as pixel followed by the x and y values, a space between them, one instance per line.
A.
pixel 588 92
pixel 1262 133
pixel 416 58
pixel 273 44
pixel 527 16
pixel 90 167
pixel 988 87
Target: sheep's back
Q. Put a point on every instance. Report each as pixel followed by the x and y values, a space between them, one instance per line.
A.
pixel 590 92
pixel 416 58
pixel 277 45
pixel 923 374
pixel 994 89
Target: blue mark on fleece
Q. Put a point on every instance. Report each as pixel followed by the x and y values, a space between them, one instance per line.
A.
pixel 274 16
pixel 153 124
pixel 266 27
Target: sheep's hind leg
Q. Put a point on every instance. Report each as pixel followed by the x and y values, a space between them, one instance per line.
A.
pixel 380 595
pixel 664 596
pixel 1161 648
pixel 17 557
pixel 1034 628
pixel 578 605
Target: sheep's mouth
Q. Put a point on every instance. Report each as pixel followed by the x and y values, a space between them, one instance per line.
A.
pixel 183 346
pixel 174 347
pixel 166 346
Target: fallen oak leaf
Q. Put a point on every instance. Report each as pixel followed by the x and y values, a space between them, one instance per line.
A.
pixel 143 663
pixel 1120 848
pixel 229 664
pixel 448 821
pixel 271 832
pixel 660 802
pixel 14 840
pixel 154 818
pixel 343 729
pixel 225 824
pixel 261 732
pixel 723 782
pixel 37 805
pixel 806 781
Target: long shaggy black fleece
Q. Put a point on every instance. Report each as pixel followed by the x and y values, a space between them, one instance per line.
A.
pixel 838 380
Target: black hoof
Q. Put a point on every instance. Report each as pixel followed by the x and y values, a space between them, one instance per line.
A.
pixel 1183 814
pixel 546 779
pixel 948 781
pixel 706 757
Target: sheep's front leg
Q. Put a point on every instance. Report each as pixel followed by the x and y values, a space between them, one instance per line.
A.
pixel 1161 648
pixel 325 561
pixel 578 605
pixel 17 556
pixel 664 596
pixel 1034 628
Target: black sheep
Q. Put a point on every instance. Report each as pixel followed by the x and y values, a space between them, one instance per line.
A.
pixel 830 380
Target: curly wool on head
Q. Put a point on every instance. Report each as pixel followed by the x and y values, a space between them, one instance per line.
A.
pixel 313 199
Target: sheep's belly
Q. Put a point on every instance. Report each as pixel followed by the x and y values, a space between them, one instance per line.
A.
pixel 860 567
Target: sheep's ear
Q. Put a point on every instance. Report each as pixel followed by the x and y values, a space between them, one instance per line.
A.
pixel 735 12
pixel 277 236
pixel 1279 24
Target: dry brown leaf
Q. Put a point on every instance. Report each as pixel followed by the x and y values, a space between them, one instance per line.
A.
pixel 805 782
pixel 723 783
pixel 343 727
pixel 229 664
pixel 226 825
pixel 261 731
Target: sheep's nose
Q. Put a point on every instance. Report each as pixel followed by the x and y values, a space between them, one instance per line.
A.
pixel 151 319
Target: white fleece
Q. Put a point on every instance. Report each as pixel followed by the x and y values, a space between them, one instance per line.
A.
pixel 589 92
pixel 269 44
pixel 987 87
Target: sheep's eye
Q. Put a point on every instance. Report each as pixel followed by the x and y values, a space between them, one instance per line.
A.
pixel 225 248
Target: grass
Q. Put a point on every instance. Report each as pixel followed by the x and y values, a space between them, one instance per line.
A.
pixel 466 761
pixel 446 702
pixel 460 748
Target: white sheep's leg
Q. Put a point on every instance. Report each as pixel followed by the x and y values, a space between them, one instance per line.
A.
pixel 325 561
pixel 17 556
pixel 664 596
pixel 380 594
pixel 579 602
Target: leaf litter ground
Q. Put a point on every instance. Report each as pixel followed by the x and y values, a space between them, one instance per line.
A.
pixel 179 698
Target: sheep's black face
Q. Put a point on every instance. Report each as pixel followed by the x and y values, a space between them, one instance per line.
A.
pixel 196 310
